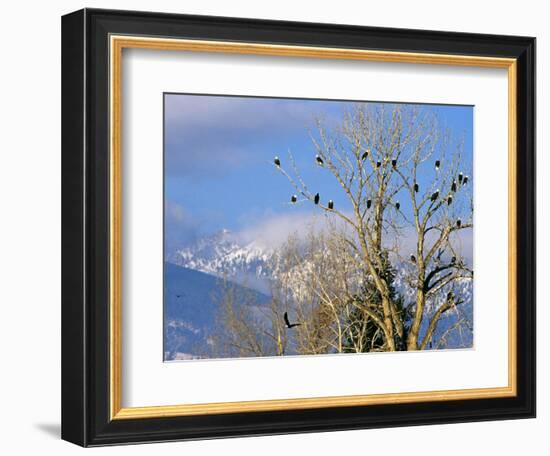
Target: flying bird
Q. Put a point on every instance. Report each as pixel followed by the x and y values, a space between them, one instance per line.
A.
pixel 330 204
pixel 293 199
pixel 394 163
pixel 378 164
pixel 316 198
pixel 460 177
pixel 459 223
pixel 319 160
pixel 415 187
pixel 435 195
pixel 178 296
pixel 413 258
pixel 465 181
pixel 437 165
pixel 453 186
pixel 397 205
pixel 449 200
pixel 369 203
pixel 365 155
pixel 277 161
pixel 288 324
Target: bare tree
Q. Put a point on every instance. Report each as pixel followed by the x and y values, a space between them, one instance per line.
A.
pixel 245 327
pixel 318 277
pixel 404 201
pixel 377 154
pixel 313 281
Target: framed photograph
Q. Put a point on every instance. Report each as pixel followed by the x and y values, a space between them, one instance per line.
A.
pixel 279 227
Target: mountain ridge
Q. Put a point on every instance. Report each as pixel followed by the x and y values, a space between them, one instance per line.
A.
pixel 211 260
pixel 223 255
pixel 191 303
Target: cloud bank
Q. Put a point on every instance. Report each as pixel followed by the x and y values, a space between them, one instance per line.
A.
pixel 215 135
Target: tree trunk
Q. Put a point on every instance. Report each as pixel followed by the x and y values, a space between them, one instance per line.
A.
pixel 412 339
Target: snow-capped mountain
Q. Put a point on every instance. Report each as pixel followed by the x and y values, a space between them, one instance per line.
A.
pixel 223 255
pixel 194 282
pixel 194 278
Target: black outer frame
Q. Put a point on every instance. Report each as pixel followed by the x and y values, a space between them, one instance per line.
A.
pixel 85 227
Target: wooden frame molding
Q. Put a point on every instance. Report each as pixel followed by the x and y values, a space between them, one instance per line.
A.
pixel 116 46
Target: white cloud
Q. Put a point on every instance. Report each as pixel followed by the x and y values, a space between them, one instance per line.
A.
pixel 180 227
pixel 216 134
pixel 271 231
pixel 237 113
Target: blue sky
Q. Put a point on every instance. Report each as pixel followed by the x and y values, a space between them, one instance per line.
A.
pixel 218 160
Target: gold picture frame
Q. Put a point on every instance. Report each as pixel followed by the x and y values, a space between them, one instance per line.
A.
pixel 117 46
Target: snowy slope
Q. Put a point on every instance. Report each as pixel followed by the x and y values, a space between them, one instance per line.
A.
pixel 190 306
pixel 211 259
pixel 223 256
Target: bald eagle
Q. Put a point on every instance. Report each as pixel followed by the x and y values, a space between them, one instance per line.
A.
pixel 394 163
pixel 365 155
pixel 319 160
pixel 460 177
pixel 459 223
pixel 465 181
pixel 369 203
pixel 413 259
pixel 330 204
pixel 437 165
pixel 453 186
pixel 435 195
pixel 416 187
pixel 397 205
pixel 316 198
pixel 378 164
pixel 287 322
pixel 449 200
pixel 277 161
pixel 293 199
